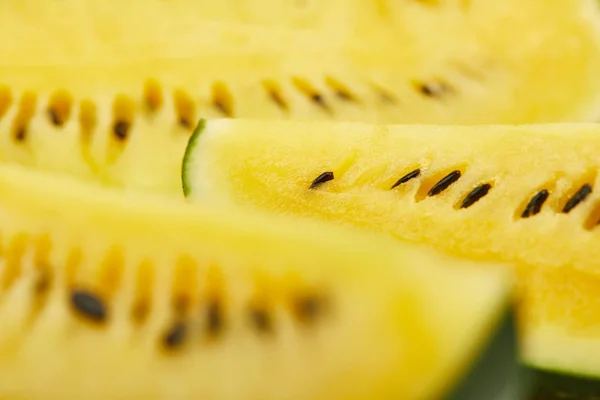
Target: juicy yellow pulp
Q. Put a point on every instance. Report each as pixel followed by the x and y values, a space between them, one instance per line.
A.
pixel 535 65
pixel 229 163
pixel 414 318
pixel 80 69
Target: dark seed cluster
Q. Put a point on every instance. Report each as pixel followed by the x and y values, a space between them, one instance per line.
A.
pixel 306 309
pixel 59 110
pixel 533 207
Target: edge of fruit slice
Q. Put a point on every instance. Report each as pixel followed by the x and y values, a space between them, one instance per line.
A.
pixel 553 385
pixel 207 178
pixel 188 158
pixel 489 375
pixel 405 320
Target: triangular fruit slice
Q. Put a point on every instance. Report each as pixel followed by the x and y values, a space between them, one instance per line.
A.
pixel 459 61
pixel 525 194
pixel 117 295
pixel 114 96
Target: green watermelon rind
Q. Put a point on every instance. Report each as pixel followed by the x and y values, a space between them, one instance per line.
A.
pixel 497 374
pixel 187 158
pixel 562 385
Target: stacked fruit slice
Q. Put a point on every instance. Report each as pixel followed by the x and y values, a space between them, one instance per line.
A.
pixel 171 300
pixel 523 194
pixel 109 95
pixel 111 294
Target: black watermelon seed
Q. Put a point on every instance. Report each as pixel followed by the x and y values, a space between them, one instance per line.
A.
pixel 88 305
pixel 120 129
pixel 42 284
pixel 54 117
pixel 308 308
pixel 577 198
pixel 176 335
pixel 475 195
pixel 261 320
pixel 324 177
pixel 444 183
pixel 222 108
pixel 535 204
pixel 318 98
pixel 277 99
pixel 184 122
pixel 433 89
pixel 427 90
pixel 21 134
pixel 214 318
pixel 406 178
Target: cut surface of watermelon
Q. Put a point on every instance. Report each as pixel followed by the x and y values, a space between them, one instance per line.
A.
pixel 113 96
pixel 525 194
pixel 115 294
pixel 466 62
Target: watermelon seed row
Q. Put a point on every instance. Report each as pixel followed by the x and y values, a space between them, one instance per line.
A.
pixel 306 308
pixel 532 208
pixel 61 103
pixel 89 303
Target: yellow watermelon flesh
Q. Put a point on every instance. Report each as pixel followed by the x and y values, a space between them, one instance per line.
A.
pixel 525 194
